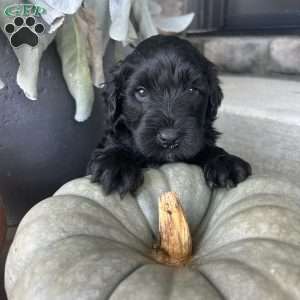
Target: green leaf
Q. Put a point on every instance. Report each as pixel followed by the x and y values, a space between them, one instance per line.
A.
pixel 29 60
pixel 56 11
pixel 142 16
pixel 64 6
pixel 72 48
pixel 97 18
pixel 121 28
pixel 172 25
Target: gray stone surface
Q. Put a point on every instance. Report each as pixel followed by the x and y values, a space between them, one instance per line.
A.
pixel 253 55
pixel 172 7
pixel 237 54
pixel 260 121
pixel 285 55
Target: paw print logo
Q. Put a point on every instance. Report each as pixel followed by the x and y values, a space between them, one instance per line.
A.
pixel 24 31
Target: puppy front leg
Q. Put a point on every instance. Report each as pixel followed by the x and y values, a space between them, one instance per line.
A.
pixel 222 169
pixel 117 169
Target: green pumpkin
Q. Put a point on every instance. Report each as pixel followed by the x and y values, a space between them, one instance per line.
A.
pixel 81 244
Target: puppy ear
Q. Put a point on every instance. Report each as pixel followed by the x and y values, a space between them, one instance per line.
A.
pixel 111 93
pixel 215 92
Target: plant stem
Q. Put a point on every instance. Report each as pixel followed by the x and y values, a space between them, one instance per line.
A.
pixel 175 238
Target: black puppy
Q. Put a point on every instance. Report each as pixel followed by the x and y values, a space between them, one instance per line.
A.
pixel 161 105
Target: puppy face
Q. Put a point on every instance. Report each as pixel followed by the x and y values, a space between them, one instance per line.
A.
pixel 166 95
pixel 165 105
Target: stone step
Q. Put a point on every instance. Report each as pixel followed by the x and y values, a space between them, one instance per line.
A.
pixel 260 121
pixel 252 54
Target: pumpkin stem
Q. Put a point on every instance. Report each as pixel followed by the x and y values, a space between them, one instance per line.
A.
pixel 175 238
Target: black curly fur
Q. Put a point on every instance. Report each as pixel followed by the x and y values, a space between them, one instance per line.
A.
pixel 180 93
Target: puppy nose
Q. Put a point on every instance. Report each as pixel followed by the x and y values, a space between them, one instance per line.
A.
pixel 168 138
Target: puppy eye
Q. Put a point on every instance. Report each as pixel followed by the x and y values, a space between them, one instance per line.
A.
pixel 141 93
pixel 193 90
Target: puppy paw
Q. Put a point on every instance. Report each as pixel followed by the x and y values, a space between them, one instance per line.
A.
pixel 116 171
pixel 226 171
